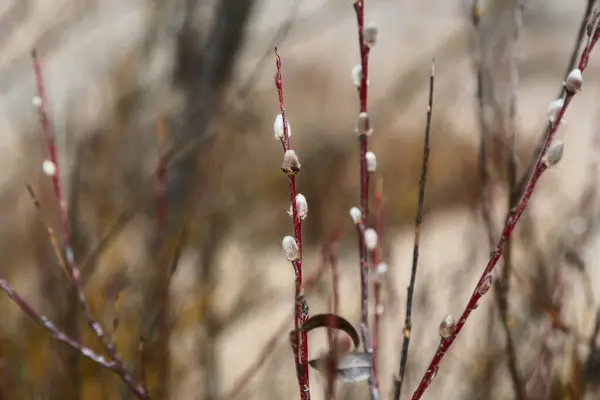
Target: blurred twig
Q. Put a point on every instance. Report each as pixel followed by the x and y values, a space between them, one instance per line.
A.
pixel 52 169
pixel 502 290
pixel 483 131
pixel 331 258
pixel 376 268
pixel 579 41
pixel 415 260
pixel 544 160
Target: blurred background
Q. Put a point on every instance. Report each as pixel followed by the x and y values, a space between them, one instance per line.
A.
pixel 205 282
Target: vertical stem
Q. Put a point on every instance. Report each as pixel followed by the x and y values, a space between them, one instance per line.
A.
pixel 331 259
pixel 301 308
pixel 164 276
pixel 415 261
pixel 359 8
pixel 503 288
pixel 376 258
pixel 483 171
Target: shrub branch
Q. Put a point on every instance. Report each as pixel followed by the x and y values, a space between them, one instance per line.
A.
pixel 544 160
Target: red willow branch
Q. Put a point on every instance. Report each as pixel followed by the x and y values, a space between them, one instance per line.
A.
pixel 51 168
pixel 589 19
pixel 550 155
pixel 269 347
pixel 367 36
pixel 415 261
pixel 292 246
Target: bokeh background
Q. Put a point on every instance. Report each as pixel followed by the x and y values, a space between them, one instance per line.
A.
pixel 128 80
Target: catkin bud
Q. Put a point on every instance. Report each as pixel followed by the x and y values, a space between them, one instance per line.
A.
pixel 290 248
pixel 301 206
pixel 574 81
pixel 371 161
pixel 357 75
pixel 554 153
pixel 363 124
pixel 356 215
pixel 371 239
pixel 554 109
pixel 36 101
pixel 446 329
pixel 278 127
pixel 380 272
pixel 290 164
pixel 49 168
pixel 370 34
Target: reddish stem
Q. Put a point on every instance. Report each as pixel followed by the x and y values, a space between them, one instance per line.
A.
pixel 300 315
pixel 72 268
pixel 364 191
pixel 483 284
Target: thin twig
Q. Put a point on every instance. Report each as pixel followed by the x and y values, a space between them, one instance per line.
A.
pixel 359 8
pixel 51 235
pixel 72 269
pixel 485 203
pixel 579 41
pixel 418 220
pixel 376 258
pixel 301 308
pixel 57 334
pixel 164 267
pixel 331 333
pixel 503 288
pixel 485 280
pixel 589 8
pixel 142 359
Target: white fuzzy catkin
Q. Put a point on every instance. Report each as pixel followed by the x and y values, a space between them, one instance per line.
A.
pixel 36 101
pixel 301 206
pixel 574 81
pixel 554 153
pixel 278 127
pixel 371 33
pixel 356 215
pixel 446 329
pixel 381 268
pixel 290 248
pixel 363 124
pixel 554 108
pixel 371 161
pixel 371 239
pixel 49 168
pixel 291 163
pixel 357 75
